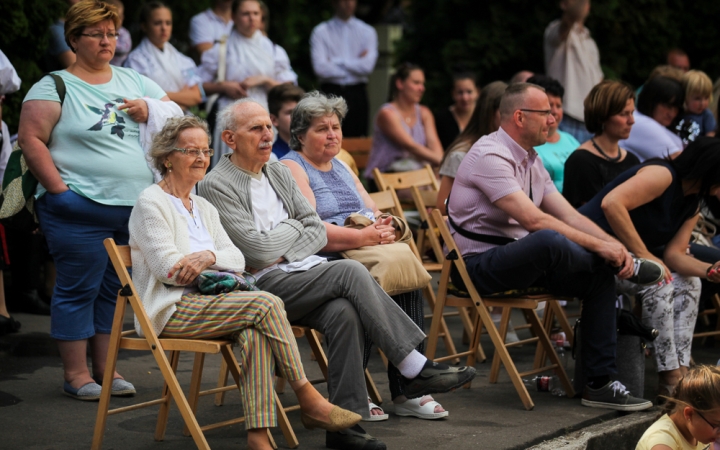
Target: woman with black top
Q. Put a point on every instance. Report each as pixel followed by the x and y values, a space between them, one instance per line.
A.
pixel 609 116
pixel 453 120
pixel 652 209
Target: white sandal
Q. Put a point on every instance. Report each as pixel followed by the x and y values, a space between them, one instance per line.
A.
pixel 412 407
pixel 377 417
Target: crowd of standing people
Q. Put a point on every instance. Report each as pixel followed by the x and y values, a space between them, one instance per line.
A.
pixel 564 181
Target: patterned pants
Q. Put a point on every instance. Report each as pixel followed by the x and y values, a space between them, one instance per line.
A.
pixel 412 304
pixel 672 309
pixel 265 339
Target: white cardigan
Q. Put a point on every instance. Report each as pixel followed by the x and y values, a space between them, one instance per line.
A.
pixel 158 240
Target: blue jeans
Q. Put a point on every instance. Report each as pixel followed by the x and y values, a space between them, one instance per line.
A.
pixel 550 260
pixel 86 288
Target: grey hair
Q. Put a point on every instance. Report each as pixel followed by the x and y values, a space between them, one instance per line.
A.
pixel 313 105
pixel 166 139
pixel 226 117
pixel 514 98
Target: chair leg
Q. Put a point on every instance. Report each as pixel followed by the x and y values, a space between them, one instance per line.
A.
pixel 313 338
pixel 437 317
pixel 447 339
pixel 504 321
pixel 373 391
pixel 474 343
pixel 469 320
pixel 547 321
pixel 110 364
pixel 195 382
pixel 222 382
pixel 164 411
pixel 544 341
pixel 280 385
pixel 501 351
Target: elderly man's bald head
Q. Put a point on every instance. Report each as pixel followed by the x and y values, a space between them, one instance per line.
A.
pixel 229 117
pixel 515 97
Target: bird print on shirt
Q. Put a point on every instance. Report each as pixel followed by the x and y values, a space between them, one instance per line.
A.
pixel 110 118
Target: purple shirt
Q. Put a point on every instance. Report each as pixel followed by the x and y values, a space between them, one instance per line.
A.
pixel 494 167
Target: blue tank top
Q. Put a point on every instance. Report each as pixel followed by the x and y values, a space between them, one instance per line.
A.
pixel 336 196
pixel 656 222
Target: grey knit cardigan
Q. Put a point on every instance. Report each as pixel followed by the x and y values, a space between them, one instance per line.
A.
pixel 301 235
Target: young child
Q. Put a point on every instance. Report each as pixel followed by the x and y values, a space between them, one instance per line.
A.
pixel 698 120
pixel 691 417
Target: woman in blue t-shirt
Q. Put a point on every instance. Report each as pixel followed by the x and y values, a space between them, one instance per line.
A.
pixel 652 209
pixel 85 152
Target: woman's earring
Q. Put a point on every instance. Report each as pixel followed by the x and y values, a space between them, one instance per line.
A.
pixel 169 167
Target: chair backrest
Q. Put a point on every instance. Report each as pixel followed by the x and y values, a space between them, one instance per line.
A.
pixel 359 148
pixel 404 180
pixel 453 255
pixel 388 201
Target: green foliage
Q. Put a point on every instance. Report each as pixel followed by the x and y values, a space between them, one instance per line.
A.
pixel 23 38
pixel 496 39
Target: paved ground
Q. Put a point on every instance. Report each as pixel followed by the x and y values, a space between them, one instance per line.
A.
pixel 35 415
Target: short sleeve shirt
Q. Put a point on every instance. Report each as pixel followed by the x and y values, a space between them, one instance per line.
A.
pixel 451 164
pixel 207 27
pixel 495 166
pixel 554 155
pixel 664 432
pixel 95 146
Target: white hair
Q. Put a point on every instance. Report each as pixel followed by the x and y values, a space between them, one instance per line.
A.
pixel 226 116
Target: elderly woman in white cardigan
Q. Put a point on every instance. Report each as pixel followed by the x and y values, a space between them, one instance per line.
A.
pixel 177 239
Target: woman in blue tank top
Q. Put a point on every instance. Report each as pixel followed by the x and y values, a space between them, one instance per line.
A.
pixel 652 209
pixel 335 192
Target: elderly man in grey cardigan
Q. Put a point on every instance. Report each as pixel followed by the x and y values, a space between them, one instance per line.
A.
pixel 271 222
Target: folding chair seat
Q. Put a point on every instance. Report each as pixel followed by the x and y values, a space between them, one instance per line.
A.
pixel 121 260
pixel 506 301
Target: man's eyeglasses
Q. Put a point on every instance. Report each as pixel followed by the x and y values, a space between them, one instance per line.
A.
pixel 544 112
pixel 100 36
pixel 716 428
pixel 208 152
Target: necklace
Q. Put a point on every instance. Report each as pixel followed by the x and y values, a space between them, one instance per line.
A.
pixel 597 147
pixel 190 210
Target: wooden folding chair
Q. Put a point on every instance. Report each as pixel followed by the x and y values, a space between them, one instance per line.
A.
pixel 121 261
pixel 387 201
pixel 359 149
pixel 703 315
pixel 527 304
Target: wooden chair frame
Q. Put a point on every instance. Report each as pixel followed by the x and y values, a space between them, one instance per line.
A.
pixel 527 304
pixel 359 148
pixel 704 315
pixel 121 260
pixel 387 201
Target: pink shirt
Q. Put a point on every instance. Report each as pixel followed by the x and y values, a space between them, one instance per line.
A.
pixel 494 167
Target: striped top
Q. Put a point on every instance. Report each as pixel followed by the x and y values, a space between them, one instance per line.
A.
pixel 495 167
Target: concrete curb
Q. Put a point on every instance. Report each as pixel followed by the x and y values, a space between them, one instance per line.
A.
pixel 619 434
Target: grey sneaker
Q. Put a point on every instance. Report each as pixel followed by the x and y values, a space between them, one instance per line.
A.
pixel 436 379
pixel 614 396
pixel 647 272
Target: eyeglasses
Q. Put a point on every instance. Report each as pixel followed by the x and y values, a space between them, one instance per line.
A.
pixel 208 152
pixel 716 428
pixel 544 112
pixel 100 36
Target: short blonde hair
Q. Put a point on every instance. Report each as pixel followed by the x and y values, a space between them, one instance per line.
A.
pixel 87 13
pixel 696 82
pixel 165 140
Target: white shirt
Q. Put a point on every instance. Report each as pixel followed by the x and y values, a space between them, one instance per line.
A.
pixel 268 212
pixel 200 238
pixel 169 68
pixel 575 63
pixel 208 27
pixel 9 79
pixel 648 139
pixel 335 49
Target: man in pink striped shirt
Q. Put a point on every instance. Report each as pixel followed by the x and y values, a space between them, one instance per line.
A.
pixel 515 231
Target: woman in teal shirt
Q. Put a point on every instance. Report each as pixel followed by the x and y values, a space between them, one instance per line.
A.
pixel 559 144
pixel 85 152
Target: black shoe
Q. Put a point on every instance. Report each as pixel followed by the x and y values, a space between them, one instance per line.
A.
pixel 31 303
pixel 647 272
pixel 436 379
pixel 614 396
pixel 350 439
pixel 8 325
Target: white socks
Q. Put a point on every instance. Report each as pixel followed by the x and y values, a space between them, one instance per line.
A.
pixel 413 363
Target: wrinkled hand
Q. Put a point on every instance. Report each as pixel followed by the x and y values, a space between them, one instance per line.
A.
pixel 188 268
pixel 253 270
pixel 137 109
pixel 255 80
pixel 381 232
pixel 233 89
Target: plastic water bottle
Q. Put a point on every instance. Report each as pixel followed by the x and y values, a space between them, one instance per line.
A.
pixel 556 387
